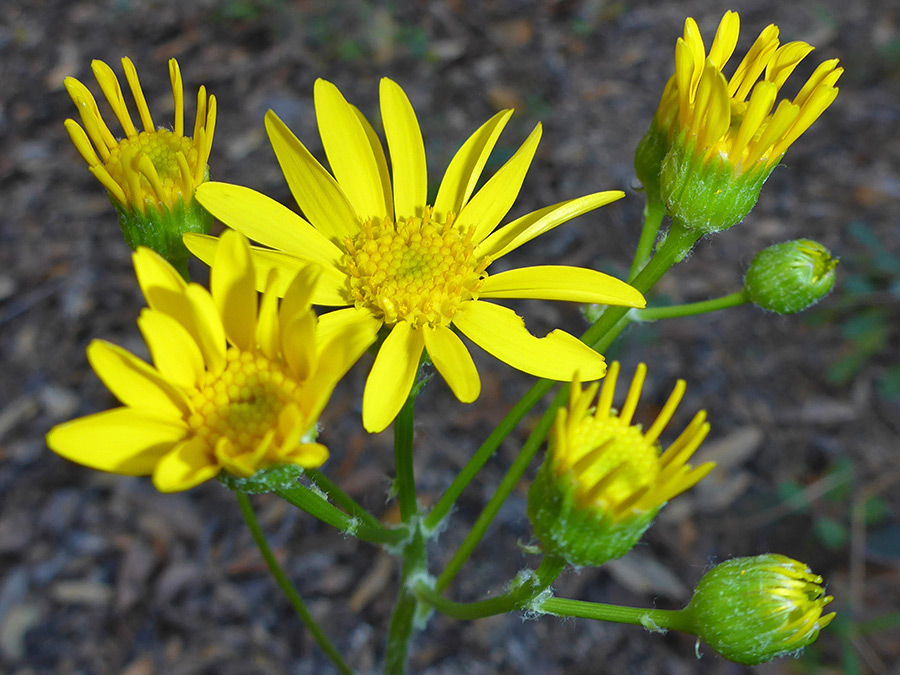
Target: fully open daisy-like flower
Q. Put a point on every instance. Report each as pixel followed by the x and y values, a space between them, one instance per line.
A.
pixel 236 385
pixel 150 175
pixel 391 259
pixel 728 131
pixel 604 478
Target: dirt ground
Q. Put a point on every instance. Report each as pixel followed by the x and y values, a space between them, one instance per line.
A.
pixel 101 574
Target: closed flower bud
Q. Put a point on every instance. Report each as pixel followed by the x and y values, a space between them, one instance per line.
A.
pixel 752 610
pixel 604 479
pixel 789 277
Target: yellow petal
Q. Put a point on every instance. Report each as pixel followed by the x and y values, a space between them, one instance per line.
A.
pixel 203 322
pixel 268 336
pixel 298 296
pixel 493 201
pixel 343 321
pixel 502 333
pixel 159 281
pixel 174 352
pixel 524 229
pixel 380 157
pixel 232 283
pixel 135 383
pixel 559 282
pixel 349 152
pixel 391 377
pixel 307 455
pixel 453 362
pixel 264 220
pixel 407 149
pixel 316 191
pixel 726 40
pixel 124 440
pixel 466 166
pixel 188 464
pixel 298 344
pixel 329 291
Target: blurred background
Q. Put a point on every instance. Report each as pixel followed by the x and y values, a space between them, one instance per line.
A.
pixel 102 574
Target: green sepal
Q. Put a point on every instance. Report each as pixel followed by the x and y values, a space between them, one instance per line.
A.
pixel 270 479
pixel 648 159
pixel 161 229
pixel 709 196
pixel 582 536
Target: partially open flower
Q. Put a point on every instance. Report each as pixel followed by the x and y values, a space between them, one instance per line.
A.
pixel 604 479
pixel 715 140
pixel 752 610
pixel 150 175
pixel 236 385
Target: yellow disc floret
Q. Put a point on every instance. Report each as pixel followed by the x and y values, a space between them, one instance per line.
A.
pixel 415 269
pixel 238 411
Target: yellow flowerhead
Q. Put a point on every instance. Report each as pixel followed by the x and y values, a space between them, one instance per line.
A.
pixel 150 175
pixel 752 610
pixel 393 260
pixel 235 385
pixel 604 478
pixel 728 132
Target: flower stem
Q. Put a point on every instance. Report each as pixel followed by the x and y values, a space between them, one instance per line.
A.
pixel 504 489
pixel 652 619
pixel 341 498
pixel 538 390
pixel 287 587
pixel 525 589
pixel 403 618
pixel 654 212
pixel 403 458
pixel 692 308
pixel 315 505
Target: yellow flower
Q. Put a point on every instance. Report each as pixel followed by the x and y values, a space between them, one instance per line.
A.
pixel 604 478
pixel 715 140
pixel 391 259
pixel 235 386
pixel 150 175
pixel 153 168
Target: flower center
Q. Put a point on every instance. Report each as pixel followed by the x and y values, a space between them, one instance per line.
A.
pixel 611 461
pixel 416 269
pixel 163 183
pixel 243 405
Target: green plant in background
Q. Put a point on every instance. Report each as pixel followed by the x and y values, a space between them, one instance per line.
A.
pixel 238 379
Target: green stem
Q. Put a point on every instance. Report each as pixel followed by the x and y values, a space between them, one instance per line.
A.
pixel 526 589
pixel 654 212
pixel 287 587
pixel 692 308
pixel 652 619
pixel 307 500
pixel 538 390
pixel 403 458
pixel 403 618
pixel 504 489
pixel 341 498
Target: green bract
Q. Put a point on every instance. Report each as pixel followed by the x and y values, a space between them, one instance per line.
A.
pixel 789 277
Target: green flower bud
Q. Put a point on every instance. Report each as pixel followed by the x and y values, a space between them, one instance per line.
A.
pixel 752 610
pixel 604 479
pixel 789 277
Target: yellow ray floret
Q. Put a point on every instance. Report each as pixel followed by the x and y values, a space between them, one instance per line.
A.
pixel 617 468
pixel 157 168
pixel 390 259
pixel 737 118
pixel 236 384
